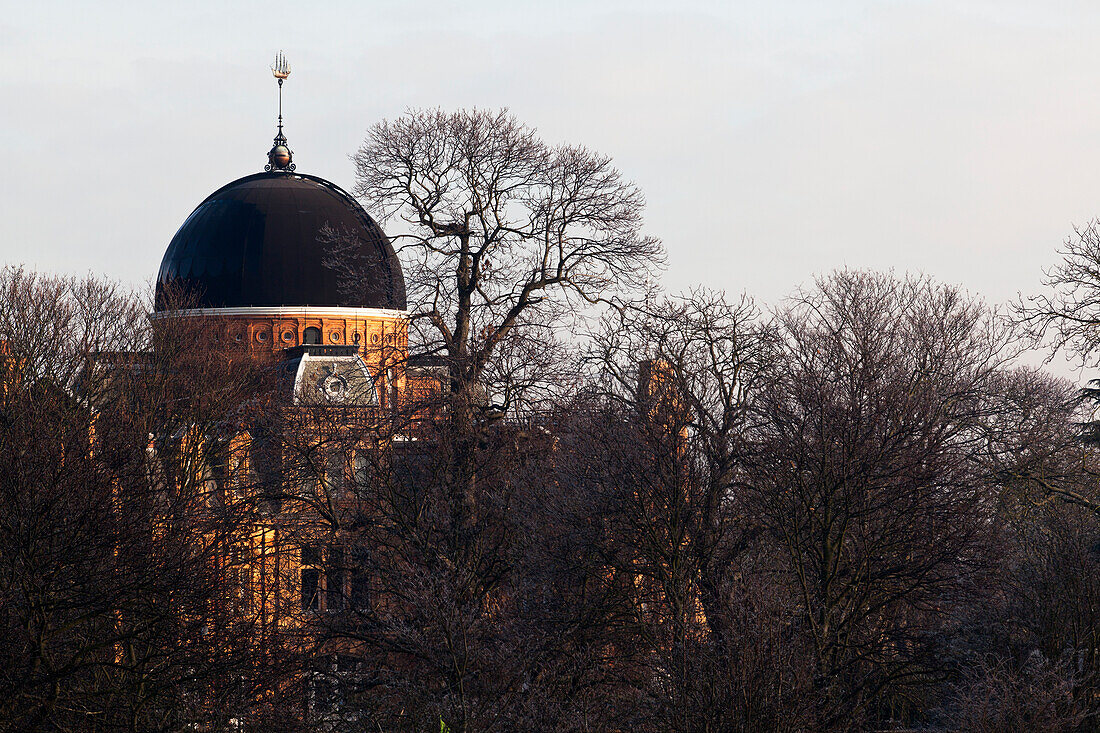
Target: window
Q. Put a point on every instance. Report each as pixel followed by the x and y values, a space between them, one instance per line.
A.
pixel 311 599
pixel 334 578
pixel 334 472
pixel 310 578
pixel 239 578
pixel 311 555
pixel 312 335
pixel 359 598
pixel 238 469
pixel 361 471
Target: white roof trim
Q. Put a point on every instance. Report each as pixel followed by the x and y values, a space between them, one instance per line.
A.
pixel 298 377
pixel 300 311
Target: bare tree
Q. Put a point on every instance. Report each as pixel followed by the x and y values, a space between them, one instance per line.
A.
pixel 685 377
pixel 694 368
pixel 1039 697
pixel 1067 316
pixel 114 529
pixel 424 614
pixel 504 233
pixel 1035 449
pixel 870 479
pixel 505 238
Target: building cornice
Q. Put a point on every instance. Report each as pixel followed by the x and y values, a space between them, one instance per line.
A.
pixel 286 312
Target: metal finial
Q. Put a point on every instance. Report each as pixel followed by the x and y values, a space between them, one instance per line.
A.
pixel 280 156
pixel 280 69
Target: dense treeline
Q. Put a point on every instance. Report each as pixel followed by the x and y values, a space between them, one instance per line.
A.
pixel 115 605
pixel 835 517
pixel 632 511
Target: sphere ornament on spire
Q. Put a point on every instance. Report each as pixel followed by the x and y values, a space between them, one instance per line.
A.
pixel 280 157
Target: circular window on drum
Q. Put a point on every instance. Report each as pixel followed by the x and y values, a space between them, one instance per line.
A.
pixel 334 337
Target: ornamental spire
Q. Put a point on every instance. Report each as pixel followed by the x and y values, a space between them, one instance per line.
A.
pixel 280 157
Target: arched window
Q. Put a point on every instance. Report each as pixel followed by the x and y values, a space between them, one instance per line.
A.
pixel 312 335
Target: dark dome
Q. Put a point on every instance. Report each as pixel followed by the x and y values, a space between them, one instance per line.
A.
pixel 257 242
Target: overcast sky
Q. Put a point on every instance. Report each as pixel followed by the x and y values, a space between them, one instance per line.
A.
pixel 774 140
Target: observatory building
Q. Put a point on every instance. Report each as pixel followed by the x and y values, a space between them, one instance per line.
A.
pixel 290 268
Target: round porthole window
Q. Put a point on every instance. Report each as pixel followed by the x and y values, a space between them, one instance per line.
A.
pixel 389 338
pixel 238 337
pixel 288 336
pixel 374 338
pixel 334 337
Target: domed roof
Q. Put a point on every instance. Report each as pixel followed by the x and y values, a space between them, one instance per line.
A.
pixel 258 242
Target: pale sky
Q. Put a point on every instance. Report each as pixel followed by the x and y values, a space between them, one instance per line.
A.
pixel 774 140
